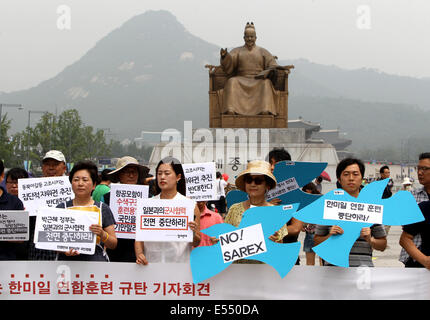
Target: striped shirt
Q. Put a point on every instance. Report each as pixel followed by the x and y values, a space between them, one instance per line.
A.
pixel 420 195
pixel 361 251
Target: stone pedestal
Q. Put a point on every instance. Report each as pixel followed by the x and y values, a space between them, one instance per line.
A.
pixel 228 121
pixel 217 80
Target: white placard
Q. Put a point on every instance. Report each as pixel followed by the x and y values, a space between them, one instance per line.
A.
pixel 14 225
pixel 200 181
pixel 125 201
pixel 283 188
pixel 242 243
pixel 353 211
pixel 64 229
pixel 44 192
pixel 165 220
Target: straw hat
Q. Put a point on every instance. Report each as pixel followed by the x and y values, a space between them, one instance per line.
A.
pixel 130 161
pixel 256 167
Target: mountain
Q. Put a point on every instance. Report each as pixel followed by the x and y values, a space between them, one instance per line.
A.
pixel 370 125
pixel 362 84
pixel 149 74
pixel 146 75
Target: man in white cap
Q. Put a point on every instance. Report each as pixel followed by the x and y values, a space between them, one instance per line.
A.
pixel 421 194
pixel 53 165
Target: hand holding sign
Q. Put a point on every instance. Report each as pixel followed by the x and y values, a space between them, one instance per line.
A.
pixel 366 234
pixel 249 241
pixel 349 215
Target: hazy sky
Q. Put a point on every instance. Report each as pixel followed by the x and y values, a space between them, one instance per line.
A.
pixel 389 35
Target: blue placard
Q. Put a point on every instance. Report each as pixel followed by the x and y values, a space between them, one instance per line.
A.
pixel 208 261
pixel 301 172
pixel 400 209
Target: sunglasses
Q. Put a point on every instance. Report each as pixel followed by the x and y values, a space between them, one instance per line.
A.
pixel 257 180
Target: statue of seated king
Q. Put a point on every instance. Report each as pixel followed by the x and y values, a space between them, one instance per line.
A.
pixel 249 82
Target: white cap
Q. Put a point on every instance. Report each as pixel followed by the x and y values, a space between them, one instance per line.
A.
pixel 56 155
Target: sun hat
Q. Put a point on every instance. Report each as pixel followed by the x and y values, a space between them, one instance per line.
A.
pixel 256 167
pixel 129 161
pixel 56 155
pixel 406 181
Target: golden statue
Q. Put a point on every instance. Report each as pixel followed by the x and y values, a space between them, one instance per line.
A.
pixel 248 91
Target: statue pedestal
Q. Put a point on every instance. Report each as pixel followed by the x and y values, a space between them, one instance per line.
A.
pixel 232 148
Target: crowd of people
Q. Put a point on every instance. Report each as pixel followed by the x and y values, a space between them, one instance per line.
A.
pixel 92 193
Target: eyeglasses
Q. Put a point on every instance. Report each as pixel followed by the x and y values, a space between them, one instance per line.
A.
pixel 424 169
pixel 12 182
pixel 257 180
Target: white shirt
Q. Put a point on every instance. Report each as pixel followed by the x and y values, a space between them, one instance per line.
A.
pixel 221 184
pixel 167 252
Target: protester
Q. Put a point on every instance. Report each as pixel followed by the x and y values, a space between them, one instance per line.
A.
pixel 256 180
pixel 10 250
pixel 276 155
pixel 53 165
pixel 294 226
pixel 419 257
pixel 384 172
pixel 83 177
pixel 420 194
pixel 170 184
pixel 150 182
pixel 208 218
pixel 12 177
pixel 127 171
pixel 309 228
pixel 103 187
pixel 349 173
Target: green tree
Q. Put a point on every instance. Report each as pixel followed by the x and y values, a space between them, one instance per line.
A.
pixel 19 147
pixel 66 133
pixel 6 143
